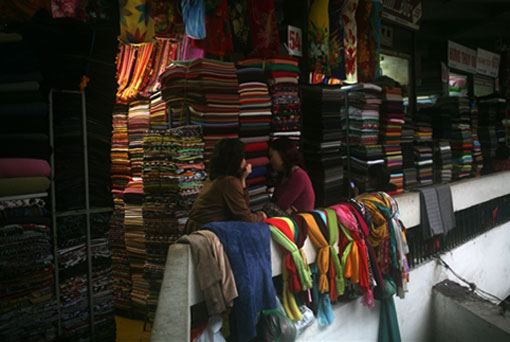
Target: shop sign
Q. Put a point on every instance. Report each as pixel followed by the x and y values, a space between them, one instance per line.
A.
pixel 461 57
pixel 487 63
pixel 404 12
pixel 294 41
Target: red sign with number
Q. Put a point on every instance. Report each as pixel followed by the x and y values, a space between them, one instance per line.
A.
pixel 294 41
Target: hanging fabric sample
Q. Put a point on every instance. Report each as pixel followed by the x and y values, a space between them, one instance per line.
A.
pixel 318 37
pixel 350 40
pixel 136 21
pixel 218 39
pixel 336 39
pixel 264 36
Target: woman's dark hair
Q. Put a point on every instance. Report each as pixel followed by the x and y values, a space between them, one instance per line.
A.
pixel 380 175
pixel 289 153
pixel 226 158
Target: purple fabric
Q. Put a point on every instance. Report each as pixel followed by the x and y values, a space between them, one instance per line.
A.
pixel 23 167
pixel 296 192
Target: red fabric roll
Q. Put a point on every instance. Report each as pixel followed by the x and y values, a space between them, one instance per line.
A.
pixel 260 161
pixel 255 147
pixel 24 167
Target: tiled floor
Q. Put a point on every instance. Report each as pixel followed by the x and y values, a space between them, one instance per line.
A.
pixel 130 330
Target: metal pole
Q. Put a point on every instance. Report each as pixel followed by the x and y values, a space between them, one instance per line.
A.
pixel 348 142
pixel 54 213
pixel 87 213
pixel 346 90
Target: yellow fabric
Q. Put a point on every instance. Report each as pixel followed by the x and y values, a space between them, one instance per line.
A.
pixel 136 22
pixel 355 263
pixel 333 239
pixel 379 229
pixel 320 242
pixel 289 301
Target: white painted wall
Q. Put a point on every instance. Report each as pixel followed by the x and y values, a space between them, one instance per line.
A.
pixel 484 260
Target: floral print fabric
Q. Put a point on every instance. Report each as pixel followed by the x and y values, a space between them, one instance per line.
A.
pixel 363 26
pixel 318 36
pixel 240 28
pixel 167 19
pixel 136 22
pixel 265 40
pixel 218 39
pixel 69 9
pixel 336 40
pixel 350 39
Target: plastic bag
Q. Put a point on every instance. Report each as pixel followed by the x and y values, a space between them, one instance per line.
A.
pixel 274 325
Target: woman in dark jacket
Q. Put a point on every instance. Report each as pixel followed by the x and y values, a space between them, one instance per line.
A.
pixel 224 196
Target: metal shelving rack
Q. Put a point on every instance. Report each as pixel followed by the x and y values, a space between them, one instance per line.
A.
pixel 87 211
pixel 346 90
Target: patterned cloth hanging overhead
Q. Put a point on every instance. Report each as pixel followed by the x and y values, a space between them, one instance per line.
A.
pixel 136 21
pixel 193 14
pixel 336 39
pixel 263 28
pixel 167 19
pixel 318 36
pixel 218 39
pixel 69 9
pixel 350 39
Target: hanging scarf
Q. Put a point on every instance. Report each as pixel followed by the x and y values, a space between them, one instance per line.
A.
pixel 336 269
pixel 319 241
pixel 354 251
pixel 284 232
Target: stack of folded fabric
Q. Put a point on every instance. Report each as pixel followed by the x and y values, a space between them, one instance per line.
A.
pixel 442 161
pixel 282 74
pixel 487 109
pixel 362 157
pixel 423 145
pixel 407 139
pixel 501 115
pixel 363 132
pixel 423 125
pixel 158 119
pixel 174 93
pixel 135 241
pixel 23 110
pixel 173 173
pixel 102 277
pixel 391 122
pixel 138 126
pixel 424 162
pixel 120 175
pixel 363 114
pixel 72 254
pixel 212 90
pixel 254 128
pixel 461 141
pixel 477 151
pixel 69 164
pixel 27 285
pixel 322 132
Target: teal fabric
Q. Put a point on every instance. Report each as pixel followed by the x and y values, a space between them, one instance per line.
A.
pixel 389 330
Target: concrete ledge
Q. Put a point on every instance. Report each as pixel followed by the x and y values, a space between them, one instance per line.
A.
pixel 461 315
